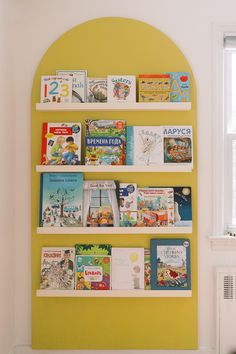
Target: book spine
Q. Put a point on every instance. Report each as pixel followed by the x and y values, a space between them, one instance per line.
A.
pixel 41 201
pixel 129 145
pixel 44 143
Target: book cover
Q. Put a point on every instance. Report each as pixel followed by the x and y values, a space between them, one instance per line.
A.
pixel 93 249
pixel 128 197
pixel 101 208
pixel 128 218
pixel 96 90
pixel 61 198
pixel 56 89
pixel 179 86
pixel 121 88
pixel 79 78
pixel 57 268
pixel 147 269
pixel 61 144
pixel 105 142
pixel 155 207
pixel 183 206
pixel 170 264
pixel 127 268
pixel 93 272
pixel 154 88
pixel 178 145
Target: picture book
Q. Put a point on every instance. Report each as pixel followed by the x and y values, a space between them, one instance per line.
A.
pixel 127 268
pixel 128 218
pixel 93 272
pixel 179 86
pixel 154 88
pixel 56 89
pixel 183 206
pixel 178 145
pixel 155 207
pixel 105 142
pixel 93 249
pixel 61 197
pixel 128 197
pixel 96 90
pixel 147 269
pixel 79 78
pixel 57 268
pixel 61 144
pixel 121 88
pixel 101 208
pixel 170 264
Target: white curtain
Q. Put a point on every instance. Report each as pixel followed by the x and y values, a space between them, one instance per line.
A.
pixel 115 207
pixel 87 201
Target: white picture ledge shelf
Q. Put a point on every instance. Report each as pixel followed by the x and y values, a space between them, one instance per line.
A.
pixel 114 230
pixel 114 293
pixel 138 106
pixel 96 169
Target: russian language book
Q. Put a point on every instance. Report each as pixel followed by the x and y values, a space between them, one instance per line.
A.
pixel 56 89
pixel 79 78
pixel 121 88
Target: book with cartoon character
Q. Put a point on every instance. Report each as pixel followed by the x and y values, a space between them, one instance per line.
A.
pixel 57 268
pixel 128 204
pixel 121 88
pixel 56 89
pixel 170 264
pixel 61 144
pixel 78 84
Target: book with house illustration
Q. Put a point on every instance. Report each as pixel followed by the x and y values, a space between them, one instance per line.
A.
pixel 121 88
pixel 96 90
pixel 105 142
pixel 78 84
pixel 56 89
pixel 57 268
pixel 61 144
pixel 170 264
pixel 61 199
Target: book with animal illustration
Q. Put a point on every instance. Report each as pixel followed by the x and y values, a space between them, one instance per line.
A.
pixel 57 268
pixel 154 88
pixel 121 88
pixel 78 84
pixel 61 144
pixel 179 86
pixel 170 264
pixel 155 207
pixel 96 90
pixel 127 268
pixel 93 272
pixel 105 142
pixel 93 249
pixel 61 199
pixel 56 89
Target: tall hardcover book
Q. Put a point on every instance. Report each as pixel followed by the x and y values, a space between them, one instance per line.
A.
pixel 128 204
pixel 105 142
pixel 179 86
pixel 61 199
pixel 170 264
pixel 78 84
pixel 121 88
pixel 56 89
pixel 61 144
pixel 57 268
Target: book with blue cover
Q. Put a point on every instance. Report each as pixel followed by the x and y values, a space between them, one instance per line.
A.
pixel 61 199
pixel 170 264
pixel 179 86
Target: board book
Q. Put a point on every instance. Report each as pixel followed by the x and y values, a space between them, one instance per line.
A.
pixel 78 84
pixel 61 199
pixel 179 86
pixel 93 249
pixel 57 268
pixel 56 89
pixel 61 144
pixel 121 88
pixel 170 264
pixel 96 90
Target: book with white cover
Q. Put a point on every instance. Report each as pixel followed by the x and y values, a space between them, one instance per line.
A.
pixel 127 268
pixel 78 84
pixel 121 88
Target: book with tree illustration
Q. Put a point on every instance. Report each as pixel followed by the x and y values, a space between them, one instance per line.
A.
pixel 93 249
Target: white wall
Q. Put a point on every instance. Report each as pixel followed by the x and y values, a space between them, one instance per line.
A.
pixel 35 25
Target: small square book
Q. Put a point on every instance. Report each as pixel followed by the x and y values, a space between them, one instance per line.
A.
pixel 56 89
pixel 121 88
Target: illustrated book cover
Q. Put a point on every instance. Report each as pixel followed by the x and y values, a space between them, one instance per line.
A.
pixel 57 268
pixel 127 268
pixel 101 208
pixel 128 204
pixel 154 88
pixel 170 264
pixel 61 144
pixel 105 142
pixel 179 86
pixel 96 90
pixel 79 78
pixel 155 207
pixel 93 272
pixel 93 249
pixel 56 89
pixel 121 88
pixel 61 199
pixel 147 269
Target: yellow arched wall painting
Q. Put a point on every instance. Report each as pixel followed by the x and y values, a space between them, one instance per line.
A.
pixel 113 46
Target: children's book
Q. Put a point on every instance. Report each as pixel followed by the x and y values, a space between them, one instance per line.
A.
pixel 61 197
pixel 93 249
pixel 128 204
pixel 121 88
pixel 101 207
pixel 183 206
pixel 93 272
pixel 170 264
pixel 147 269
pixel 179 86
pixel 155 207
pixel 61 144
pixel 78 84
pixel 96 90
pixel 56 89
pixel 127 268
pixel 105 142
pixel 57 268
pixel 154 88
pixel 128 218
